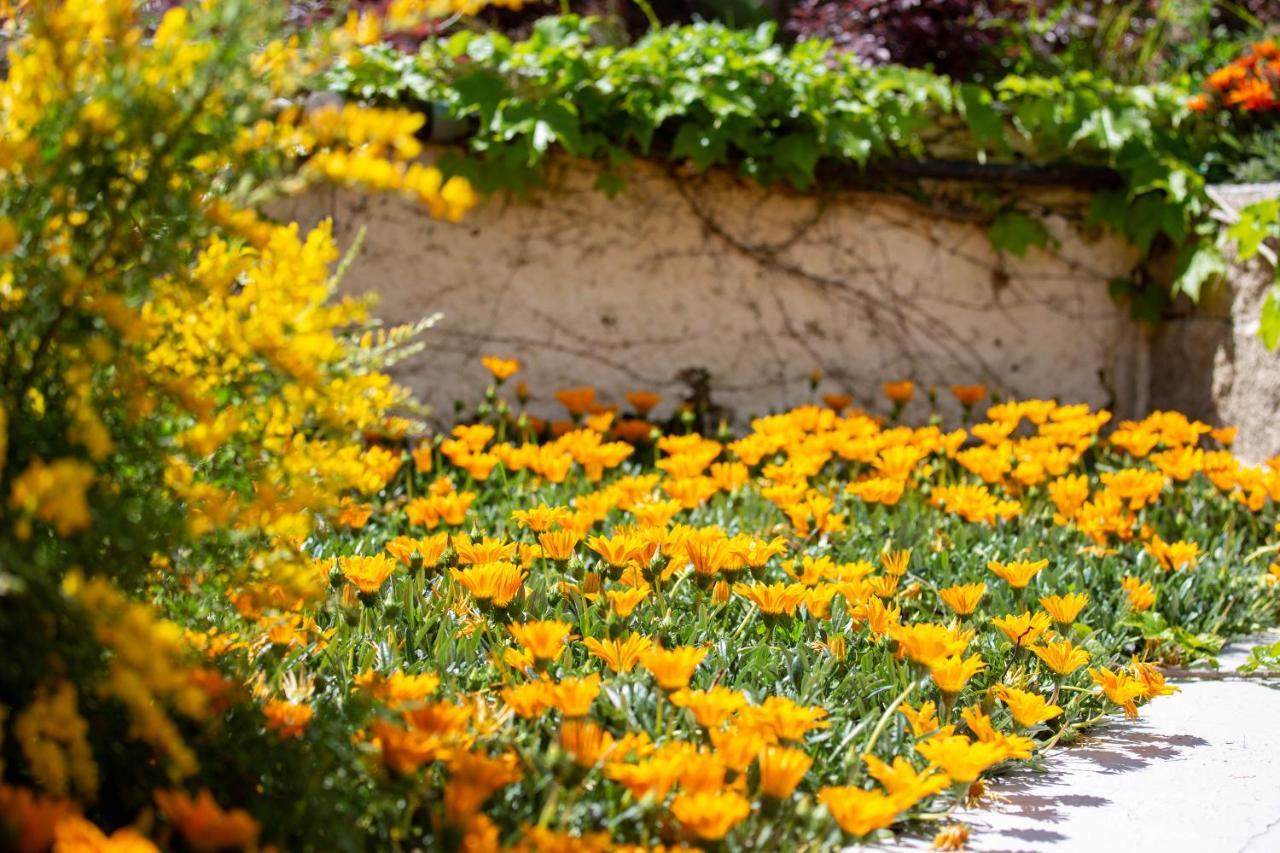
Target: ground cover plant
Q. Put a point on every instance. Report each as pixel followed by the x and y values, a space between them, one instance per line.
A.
pixel 247 600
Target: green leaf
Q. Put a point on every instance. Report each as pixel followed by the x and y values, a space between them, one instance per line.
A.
pixel 983 119
pixel 1196 266
pixel 1014 231
pixel 1269 322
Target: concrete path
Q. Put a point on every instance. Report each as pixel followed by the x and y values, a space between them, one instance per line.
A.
pixel 1199 771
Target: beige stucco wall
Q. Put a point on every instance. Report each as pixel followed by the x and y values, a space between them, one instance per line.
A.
pixel 1208 361
pixel 757 287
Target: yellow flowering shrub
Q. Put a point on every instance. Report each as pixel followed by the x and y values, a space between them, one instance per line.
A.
pixel 183 396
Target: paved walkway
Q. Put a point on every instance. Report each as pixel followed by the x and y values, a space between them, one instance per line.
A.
pixel 1199 771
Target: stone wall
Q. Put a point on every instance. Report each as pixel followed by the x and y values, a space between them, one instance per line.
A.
pixel 678 276
pixel 1208 361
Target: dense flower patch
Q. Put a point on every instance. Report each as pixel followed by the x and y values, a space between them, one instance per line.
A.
pixel 246 602
pixel 827 626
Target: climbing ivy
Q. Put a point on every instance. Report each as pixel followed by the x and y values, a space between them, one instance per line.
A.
pixel 1258 223
pixel 711 96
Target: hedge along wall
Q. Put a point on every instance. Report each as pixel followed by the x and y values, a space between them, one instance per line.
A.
pixel 678 278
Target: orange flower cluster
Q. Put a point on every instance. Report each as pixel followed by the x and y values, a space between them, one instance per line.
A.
pixel 1249 84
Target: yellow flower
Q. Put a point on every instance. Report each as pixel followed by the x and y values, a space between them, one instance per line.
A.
pixel 922 721
pixel 1018 573
pixel 960 758
pixel 710 814
pixel 1064 609
pixel 901 778
pixel 672 668
pixel 1120 687
pixel 501 368
pixel 624 601
pixel 559 544
pixel 953 836
pixel 573 696
pixel 952 673
pixel 1029 709
pixel 367 574
pixel 541 518
pixel 586 742
pixel 858 811
pixel 497 583
pixel 54 493
pixel 1061 657
pixel 1141 593
pixel 620 655
pixel 772 599
pixel 1022 630
pixel 895 562
pixel 545 639
pixel 963 599
pixel 781 769
pixel 710 707
pixel 927 642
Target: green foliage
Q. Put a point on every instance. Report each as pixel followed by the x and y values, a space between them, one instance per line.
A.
pixel 714 97
pixel 1257 223
pixel 1014 231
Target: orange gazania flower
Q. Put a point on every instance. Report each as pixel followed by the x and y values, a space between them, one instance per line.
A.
pixel 672 668
pixel 624 601
pixel 900 392
pixel 951 674
pixel 837 402
pixel 577 400
pixel 204 824
pixel 419 553
pixel 1141 593
pixel 1028 709
pixel 586 742
pixel 1018 573
pixel 619 655
pixel 1064 609
pixel 643 402
pixel 969 395
pixel 773 599
pixel 501 368
pixel 963 599
pixel 710 814
pixel 544 639
pixel 367 574
pixel 960 758
pixel 1022 630
pixel 497 583
pixel 559 544
pixel 859 811
pixel 1061 657
pixel 573 696
pixel 287 719
pixel 711 707
pixel 781 769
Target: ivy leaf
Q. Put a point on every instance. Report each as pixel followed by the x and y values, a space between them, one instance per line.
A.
pixel 986 123
pixel 1269 325
pixel 480 91
pixel 1196 266
pixel 797 155
pixel 704 146
pixel 1014 231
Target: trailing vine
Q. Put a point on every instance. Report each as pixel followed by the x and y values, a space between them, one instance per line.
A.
pixel 711 97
